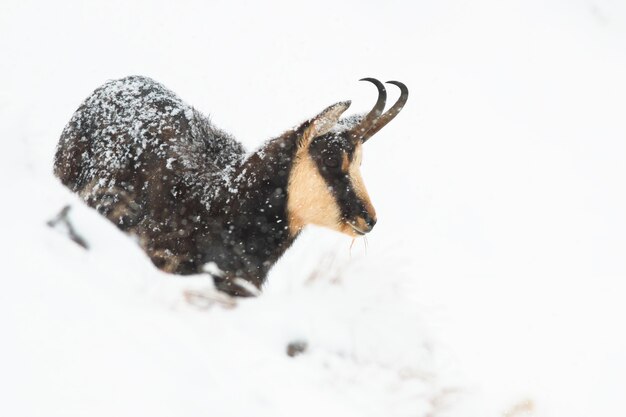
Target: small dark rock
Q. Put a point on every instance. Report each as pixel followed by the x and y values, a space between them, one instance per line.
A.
pixel 296 348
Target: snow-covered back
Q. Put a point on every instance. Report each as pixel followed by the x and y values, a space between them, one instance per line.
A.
pixel 130 121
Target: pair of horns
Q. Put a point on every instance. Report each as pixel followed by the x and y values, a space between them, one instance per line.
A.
pixel 376 119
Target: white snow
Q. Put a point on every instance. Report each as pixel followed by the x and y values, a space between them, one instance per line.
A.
pixel 492 285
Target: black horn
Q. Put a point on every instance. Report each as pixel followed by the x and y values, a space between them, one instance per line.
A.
pixel 358 132
pixel 389 114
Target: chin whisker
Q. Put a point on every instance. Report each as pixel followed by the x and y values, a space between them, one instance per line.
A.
pixel 351 245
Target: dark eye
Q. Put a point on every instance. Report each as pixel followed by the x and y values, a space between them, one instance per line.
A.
pixel 331 161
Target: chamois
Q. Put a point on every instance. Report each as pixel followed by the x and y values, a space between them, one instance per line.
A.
pixel 161 171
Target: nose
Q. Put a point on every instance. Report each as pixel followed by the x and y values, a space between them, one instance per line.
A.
pixel 369 221
pixel 366 222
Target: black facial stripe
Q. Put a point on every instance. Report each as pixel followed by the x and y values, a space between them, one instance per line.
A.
pixel 337 146
pixel 349 202
pixel 341 188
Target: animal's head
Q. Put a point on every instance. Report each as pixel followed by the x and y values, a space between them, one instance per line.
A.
pixel 325 184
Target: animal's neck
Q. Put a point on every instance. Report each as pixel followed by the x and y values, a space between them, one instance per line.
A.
pixel 256 212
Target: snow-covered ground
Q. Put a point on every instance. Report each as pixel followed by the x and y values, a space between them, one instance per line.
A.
pixel 492 285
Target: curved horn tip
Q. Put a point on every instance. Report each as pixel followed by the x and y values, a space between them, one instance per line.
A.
pixel 359 131
pixel 374 81
pixel 399 84
pixel 382 95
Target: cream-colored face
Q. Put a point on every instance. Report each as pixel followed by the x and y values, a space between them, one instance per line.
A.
pixel 309 198
pixel 330 196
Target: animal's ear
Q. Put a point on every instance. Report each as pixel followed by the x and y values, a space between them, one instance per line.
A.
pixel 323 122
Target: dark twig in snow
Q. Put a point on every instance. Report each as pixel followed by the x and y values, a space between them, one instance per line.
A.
pixel 62 219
